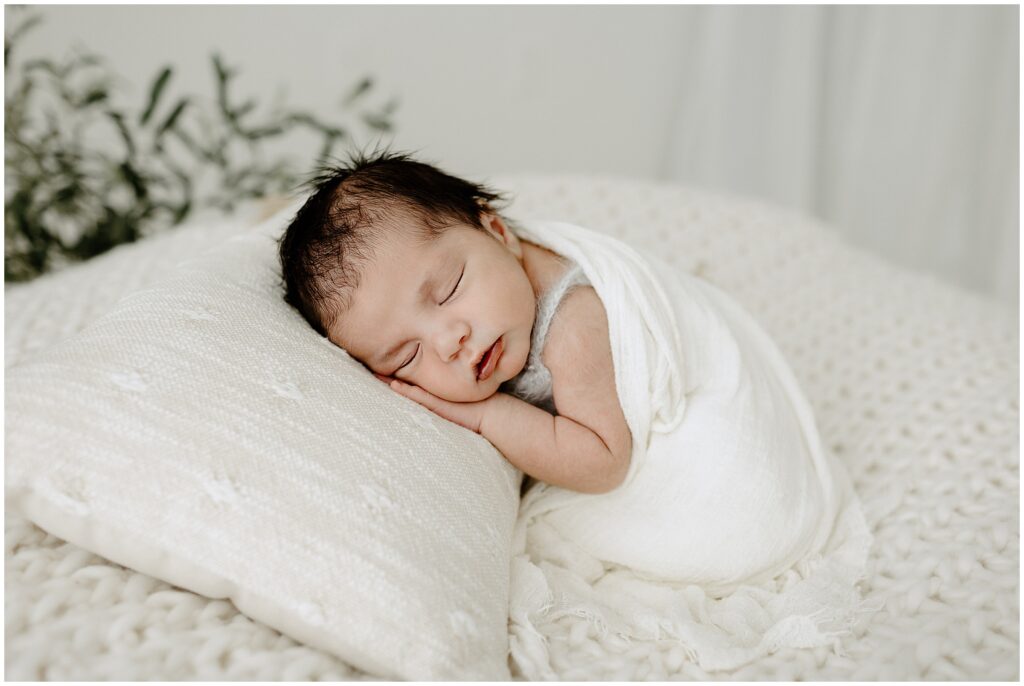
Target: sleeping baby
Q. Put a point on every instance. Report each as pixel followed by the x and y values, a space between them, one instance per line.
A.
pixel 664 430
pixel 415 274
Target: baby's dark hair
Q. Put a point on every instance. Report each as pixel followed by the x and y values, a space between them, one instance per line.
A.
pixel 332 236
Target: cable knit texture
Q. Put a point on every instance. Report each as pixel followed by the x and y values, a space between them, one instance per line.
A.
pixel 914 385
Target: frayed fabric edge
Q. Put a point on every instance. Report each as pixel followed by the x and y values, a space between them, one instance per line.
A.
pixel 710 633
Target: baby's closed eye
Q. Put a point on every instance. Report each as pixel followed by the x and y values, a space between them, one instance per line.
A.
pixel 455 288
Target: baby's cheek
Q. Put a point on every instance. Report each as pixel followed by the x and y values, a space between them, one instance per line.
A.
pixel 452 391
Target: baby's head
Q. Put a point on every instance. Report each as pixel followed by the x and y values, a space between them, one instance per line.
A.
pixel 414 273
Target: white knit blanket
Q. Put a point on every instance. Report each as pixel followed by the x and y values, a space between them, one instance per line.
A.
pixel 914 385
pixel 728 485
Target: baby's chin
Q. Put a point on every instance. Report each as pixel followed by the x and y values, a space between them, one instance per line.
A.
pixel 470 395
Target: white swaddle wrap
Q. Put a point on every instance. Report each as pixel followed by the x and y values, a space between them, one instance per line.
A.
pixel 728 484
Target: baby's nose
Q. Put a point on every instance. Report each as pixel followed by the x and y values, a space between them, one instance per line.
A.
pixel 458 348
pixel 451 337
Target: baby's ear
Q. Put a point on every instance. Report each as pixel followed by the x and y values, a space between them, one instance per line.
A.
pixel 496 226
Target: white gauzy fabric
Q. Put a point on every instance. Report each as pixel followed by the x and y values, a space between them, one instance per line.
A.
pixel 202 433
pixel 728 486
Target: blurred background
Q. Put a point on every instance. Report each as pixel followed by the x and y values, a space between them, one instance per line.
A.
pixel 898 125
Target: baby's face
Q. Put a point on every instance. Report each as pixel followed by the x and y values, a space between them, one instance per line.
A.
pixel 433 313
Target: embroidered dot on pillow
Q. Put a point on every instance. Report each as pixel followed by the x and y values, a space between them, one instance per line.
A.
pixel 202 433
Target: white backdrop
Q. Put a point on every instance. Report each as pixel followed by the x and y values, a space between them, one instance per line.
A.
pixel 900 125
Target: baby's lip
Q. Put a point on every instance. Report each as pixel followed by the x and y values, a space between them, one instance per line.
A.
pixel 478 357
pixel 496 349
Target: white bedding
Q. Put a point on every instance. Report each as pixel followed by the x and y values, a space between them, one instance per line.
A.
pixel 914 384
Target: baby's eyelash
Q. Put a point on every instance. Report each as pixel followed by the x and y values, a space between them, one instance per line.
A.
pixel 409 360
pixel 456 287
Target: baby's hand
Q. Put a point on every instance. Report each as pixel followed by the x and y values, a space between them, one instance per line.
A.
pixel 467 415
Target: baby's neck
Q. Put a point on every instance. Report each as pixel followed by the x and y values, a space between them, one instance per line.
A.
pixel 542 266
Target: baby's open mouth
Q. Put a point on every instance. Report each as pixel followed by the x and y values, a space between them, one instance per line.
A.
pixel 489 361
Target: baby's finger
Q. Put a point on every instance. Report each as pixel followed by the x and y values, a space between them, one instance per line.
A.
pixel 413 393
pixel 385 379
pixel 403 388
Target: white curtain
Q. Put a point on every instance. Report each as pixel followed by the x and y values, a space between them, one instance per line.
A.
pixel 898 124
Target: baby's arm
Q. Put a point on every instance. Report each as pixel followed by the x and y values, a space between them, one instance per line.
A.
pixel 551 448
pixel 587 446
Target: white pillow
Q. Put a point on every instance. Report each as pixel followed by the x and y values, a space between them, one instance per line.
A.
pixel 202 433
pixel 40 312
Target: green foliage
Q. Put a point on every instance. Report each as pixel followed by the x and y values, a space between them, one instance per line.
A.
pixel 84 174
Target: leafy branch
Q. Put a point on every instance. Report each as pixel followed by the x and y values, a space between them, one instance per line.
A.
pixel 85 174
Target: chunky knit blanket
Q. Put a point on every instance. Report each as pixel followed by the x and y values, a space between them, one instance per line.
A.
pixel 914 386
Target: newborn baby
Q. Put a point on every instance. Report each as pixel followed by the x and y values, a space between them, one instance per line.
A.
pixel 417 276
pixel 669 437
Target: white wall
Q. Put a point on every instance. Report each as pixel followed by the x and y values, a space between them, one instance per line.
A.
pixel 625 90
pixel 899 124
pixel 483 89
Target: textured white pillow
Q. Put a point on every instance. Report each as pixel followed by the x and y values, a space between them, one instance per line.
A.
pixel 202 433
pixel 56 305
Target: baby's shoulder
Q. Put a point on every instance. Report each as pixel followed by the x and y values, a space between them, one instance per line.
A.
pixel 578 334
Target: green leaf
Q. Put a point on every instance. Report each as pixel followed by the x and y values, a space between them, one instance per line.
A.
pixel 16 35
pixel 126 135
pixel 222 93
pixel 172 117
pixel 182 212
pixel 245 109
pixel 94 95
pixel 222 72
pixel 256 134
pixel 134 180
pixel 154 94
pixel 360 89
pixel 90 61
pixel 311 122
pixel 377 122
pixel 66 195
pixel 26 26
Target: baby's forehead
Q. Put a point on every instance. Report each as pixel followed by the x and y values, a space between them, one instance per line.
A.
pixel 412 264
pixel 399 263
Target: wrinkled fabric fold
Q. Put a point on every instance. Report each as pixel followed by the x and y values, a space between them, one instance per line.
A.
pixel 734 533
